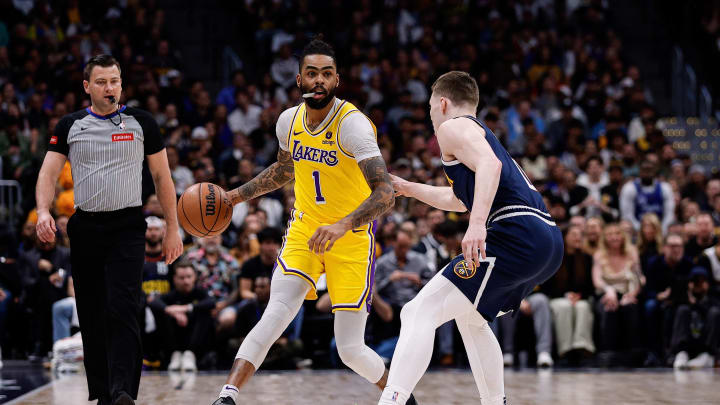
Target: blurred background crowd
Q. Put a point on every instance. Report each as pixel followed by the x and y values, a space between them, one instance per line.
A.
pixel 639 282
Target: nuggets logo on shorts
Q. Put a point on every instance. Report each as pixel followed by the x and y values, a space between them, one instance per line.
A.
pixel 465 269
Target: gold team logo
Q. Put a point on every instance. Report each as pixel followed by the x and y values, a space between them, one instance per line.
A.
pixel 465 269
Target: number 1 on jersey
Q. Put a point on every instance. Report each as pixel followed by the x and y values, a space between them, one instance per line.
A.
pixel 319 199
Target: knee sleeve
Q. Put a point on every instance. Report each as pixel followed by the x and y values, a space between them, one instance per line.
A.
pixel 350 340
pixel 287 294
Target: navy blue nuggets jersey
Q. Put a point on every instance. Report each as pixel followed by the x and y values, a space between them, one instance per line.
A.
pixel 514 190
pixel 524 247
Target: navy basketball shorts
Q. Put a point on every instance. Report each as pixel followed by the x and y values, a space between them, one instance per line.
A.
pixel 522 252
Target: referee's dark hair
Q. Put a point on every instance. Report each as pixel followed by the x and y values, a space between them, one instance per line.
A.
pixel 103 60
pixel 317 47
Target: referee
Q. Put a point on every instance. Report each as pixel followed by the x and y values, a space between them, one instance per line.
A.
pixel 106 144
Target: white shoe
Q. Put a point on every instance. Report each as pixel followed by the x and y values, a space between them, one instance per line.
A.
pixel 703 360
pixel 188 361
pixel 175 361
pixel 508 360
pixel 681 360
pixel 544 359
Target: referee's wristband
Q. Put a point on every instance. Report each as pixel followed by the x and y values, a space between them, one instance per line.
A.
pixel 190 308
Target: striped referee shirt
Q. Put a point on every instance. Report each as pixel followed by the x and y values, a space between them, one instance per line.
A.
pixel 106 159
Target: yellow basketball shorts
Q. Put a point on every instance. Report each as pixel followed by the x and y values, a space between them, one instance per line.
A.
pixel 349 266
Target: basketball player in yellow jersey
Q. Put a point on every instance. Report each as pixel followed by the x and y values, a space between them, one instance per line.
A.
pixel 341 187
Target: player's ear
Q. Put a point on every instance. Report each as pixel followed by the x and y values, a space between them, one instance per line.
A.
pixel 443 105
pixel 297 80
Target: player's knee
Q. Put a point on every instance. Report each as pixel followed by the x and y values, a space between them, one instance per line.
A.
pixel 410 310
pixel 349 352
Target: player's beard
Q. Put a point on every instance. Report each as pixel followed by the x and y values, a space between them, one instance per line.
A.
pixel 321 103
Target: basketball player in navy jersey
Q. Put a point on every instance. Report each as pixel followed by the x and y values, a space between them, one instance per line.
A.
pixel 511 245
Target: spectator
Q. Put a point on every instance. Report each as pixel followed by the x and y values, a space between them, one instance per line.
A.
pixel 610 194
pixel 245 118
pixel 401 273
pixel 187 323
pixel 226 96
pixel 284 68
pixel 570 291
pixel 593 235
pixel 704 238
pixel 155 282
pixel 710 260
pixel 647 194
pixel 261 265
pixel 650 240
pixel 594 179
pixel 64 314
pixel 696 330
pixel 617 280
pixel 537 306
pixel 216 268
pixel 667 276
pixel 433 245
pixel 45 271
pixel 181 175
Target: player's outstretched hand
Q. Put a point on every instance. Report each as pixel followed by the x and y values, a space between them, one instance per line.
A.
pixel 400 185
pixel 473 244
pixel 325 236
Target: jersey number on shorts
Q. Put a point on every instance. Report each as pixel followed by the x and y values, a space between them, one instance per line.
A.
pixel 319 199
pixel 527 180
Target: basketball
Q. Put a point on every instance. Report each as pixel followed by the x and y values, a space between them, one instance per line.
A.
pixel 204 209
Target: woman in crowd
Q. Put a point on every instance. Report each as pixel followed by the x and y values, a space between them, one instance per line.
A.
pixel 570 291
pixel 616 277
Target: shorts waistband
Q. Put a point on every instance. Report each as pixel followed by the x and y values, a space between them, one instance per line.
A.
pixel 520 210
pixel 124 212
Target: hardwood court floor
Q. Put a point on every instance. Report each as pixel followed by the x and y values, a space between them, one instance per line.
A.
pixel 438 387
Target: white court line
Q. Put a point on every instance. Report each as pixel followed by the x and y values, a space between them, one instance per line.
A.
pixel 27 394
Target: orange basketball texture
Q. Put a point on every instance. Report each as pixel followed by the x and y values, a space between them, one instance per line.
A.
pixel 204 209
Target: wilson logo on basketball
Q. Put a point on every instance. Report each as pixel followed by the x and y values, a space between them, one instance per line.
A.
pixel 128 136
pixel 210 201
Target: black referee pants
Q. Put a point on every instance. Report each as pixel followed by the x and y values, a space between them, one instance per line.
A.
pixel 107 255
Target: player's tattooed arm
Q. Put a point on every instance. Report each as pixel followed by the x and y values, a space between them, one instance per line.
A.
pixel 382 197
pixel 275 176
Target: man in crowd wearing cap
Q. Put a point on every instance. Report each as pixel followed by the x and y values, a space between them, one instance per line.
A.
pixel 696 330
pixel 156 282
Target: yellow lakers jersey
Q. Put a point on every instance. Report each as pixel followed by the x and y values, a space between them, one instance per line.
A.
pixel 328 181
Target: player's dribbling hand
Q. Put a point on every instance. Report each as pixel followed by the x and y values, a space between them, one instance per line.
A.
pixel 45 227
pixel 400 185
pixel 325 236
pixel 473 244
pixel 172 246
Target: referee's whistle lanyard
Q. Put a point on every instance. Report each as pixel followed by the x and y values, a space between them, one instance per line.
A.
pixel 120 123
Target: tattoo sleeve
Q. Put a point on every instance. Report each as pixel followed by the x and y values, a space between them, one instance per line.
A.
pixel 275 176
pixel 382 197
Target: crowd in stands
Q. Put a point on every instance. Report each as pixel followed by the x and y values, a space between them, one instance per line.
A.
pixel 640 281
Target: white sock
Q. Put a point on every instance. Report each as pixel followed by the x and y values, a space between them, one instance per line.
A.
pixel 393 396
pixel 230 391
